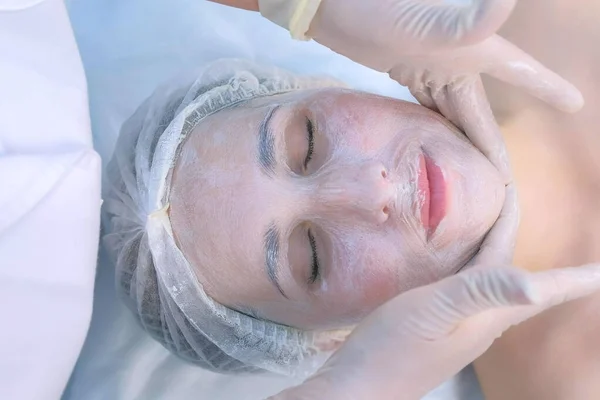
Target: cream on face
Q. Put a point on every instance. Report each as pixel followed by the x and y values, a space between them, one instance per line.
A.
pixel 314 207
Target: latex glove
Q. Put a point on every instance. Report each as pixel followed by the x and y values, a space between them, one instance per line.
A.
pixel 438 49
pixel 413 343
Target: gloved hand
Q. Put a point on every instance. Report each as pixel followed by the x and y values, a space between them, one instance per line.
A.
pixel 413 343
pixel 438 49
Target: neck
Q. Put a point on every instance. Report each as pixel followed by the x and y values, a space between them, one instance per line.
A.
pixel 558 215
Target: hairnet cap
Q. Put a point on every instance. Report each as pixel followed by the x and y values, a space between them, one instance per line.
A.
pixel 153 276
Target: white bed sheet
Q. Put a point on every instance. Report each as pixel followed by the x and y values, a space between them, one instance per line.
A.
pixel 49 201
pixel 128 47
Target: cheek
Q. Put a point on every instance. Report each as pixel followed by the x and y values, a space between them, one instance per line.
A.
pixel 370 268
pixel 379 283
pixel 366 272
pixel 363 132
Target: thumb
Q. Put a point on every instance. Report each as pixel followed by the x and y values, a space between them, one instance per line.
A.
pixel 485 288
pixel 546 289
pixel 558 286
pixel 469 293
pixel 453 23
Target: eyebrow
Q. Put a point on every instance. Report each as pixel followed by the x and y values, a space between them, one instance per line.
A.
pixel 272 249
pixel 266 143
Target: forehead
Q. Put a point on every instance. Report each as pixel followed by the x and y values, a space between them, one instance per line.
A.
pixel 219 207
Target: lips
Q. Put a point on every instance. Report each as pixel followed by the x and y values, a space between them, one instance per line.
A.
pixel 432 190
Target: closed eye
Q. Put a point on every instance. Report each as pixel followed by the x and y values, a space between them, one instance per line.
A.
pixel 311 142
pixel 315 270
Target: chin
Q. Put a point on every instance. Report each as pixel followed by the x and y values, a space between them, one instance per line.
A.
pixel 474 204
pixel 468 220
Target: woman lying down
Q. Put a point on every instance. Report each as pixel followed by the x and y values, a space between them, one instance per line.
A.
pixel 254 216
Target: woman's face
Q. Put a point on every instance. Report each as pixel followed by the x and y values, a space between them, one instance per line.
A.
pixel 312 208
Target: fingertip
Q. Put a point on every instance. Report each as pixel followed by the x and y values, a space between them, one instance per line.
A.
pixel 566 98
pixel 589 272
pixel 518 68
pixel 566 284
pixel 573 101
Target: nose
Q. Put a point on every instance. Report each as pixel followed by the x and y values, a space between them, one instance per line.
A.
pixel 364 190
